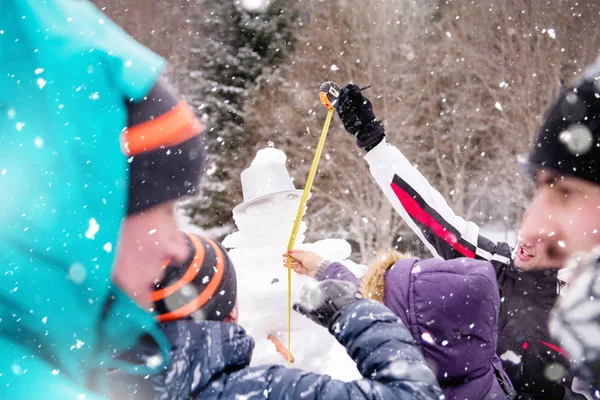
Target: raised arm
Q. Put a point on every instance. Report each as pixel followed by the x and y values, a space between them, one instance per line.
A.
pixel 426 212
pixel 381 346
pixel 421 206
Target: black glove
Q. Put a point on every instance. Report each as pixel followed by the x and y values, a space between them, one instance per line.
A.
pixel 323 302
pixel 356 113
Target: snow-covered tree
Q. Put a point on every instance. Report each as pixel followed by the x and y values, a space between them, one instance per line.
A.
pixel 234 50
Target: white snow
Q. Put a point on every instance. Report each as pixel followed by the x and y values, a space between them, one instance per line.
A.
pixel 92 229
pixel 269 155
pixel 254 5
pixel 511 356
pixel 38 142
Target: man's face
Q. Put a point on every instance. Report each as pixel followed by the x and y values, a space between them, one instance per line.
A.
pixel 564 217
pixel 148 240
pixel 530 255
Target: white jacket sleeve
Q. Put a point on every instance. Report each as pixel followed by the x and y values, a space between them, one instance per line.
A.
pixel 426 212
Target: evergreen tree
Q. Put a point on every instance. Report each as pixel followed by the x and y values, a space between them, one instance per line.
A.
pixel 235 50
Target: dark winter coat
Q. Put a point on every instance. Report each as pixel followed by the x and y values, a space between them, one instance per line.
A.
pixel 523 343
pixel 210 360
pixel 451 309
pixel 527 350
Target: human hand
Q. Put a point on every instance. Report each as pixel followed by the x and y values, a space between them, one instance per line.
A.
pixel 304 262
pixel 356 113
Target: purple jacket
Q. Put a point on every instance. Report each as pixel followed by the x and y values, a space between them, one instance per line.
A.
pixel 451 308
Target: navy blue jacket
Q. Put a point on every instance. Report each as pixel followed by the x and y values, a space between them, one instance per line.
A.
pixel 210 361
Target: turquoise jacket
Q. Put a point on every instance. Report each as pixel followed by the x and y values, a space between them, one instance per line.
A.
pixel 66 72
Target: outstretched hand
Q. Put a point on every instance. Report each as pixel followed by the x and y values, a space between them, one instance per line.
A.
pixel 304 262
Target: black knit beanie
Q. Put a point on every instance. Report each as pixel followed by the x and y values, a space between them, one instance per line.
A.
pixel 203 288
pixel 166 150
pixel 569 139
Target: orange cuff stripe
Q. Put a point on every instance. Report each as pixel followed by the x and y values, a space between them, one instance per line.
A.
pixel 189 275
pixel 203 297
pixel 169 129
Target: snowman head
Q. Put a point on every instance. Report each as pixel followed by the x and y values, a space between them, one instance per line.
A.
pixel 267 185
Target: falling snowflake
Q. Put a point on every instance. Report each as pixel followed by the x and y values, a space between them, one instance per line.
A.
pixel 16 369
pixel 38 142
pixel 577 138
pixel 498 106
pixel 427 338
pixel 334 68
pixel 77 273
pixel 78 344
pixel 92 229
pixel 154 361
pixel 41 82
pixel 511 356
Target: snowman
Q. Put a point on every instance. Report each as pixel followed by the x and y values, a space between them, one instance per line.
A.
pixel 264 221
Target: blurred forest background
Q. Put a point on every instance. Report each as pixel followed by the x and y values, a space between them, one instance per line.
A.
pixel 460 85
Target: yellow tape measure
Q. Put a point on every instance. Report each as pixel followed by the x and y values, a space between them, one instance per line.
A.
pixel 299 215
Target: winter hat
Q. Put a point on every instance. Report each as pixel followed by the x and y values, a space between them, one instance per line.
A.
pixel 451 308
pixel 204 287
pixel 165 147
pixel 569 139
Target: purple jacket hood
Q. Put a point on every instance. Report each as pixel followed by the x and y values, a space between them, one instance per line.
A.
pixel 451 309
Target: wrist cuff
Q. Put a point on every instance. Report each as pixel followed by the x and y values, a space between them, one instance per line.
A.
pixel 321 268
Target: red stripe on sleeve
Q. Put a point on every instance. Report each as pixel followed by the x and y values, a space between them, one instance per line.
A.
pixel 556 348
pixel 416 212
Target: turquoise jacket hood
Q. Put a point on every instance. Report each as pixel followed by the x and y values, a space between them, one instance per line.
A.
pixel 66 72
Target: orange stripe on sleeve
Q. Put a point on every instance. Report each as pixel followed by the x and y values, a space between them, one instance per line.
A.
pixel 204 296
pixel 169 129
